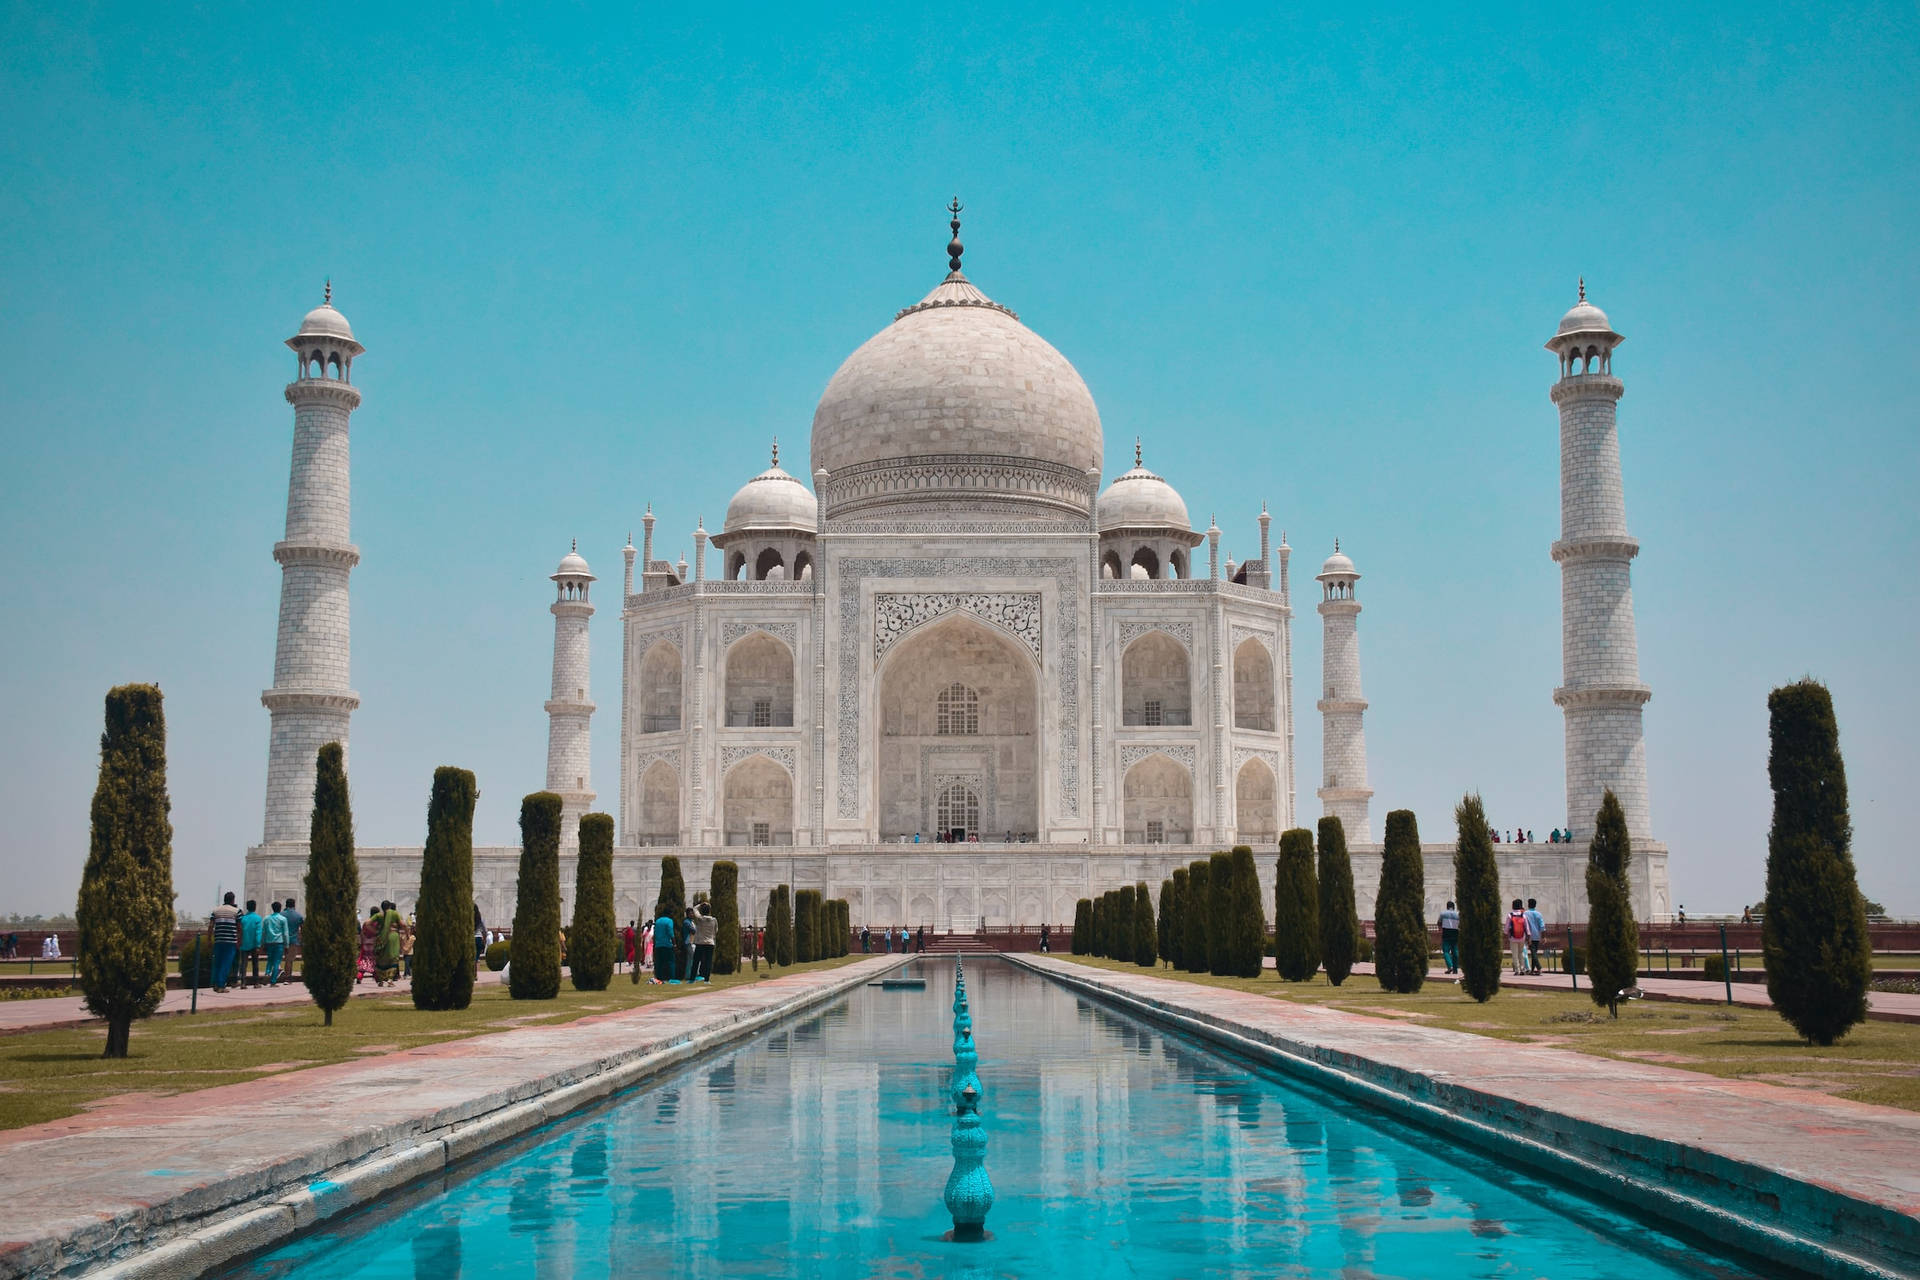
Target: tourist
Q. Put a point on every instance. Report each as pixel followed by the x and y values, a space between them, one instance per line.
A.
pixel 1517 937
pixel 1450 938
pixel 294 921
pixel 1493 834
pixel 866 940
pixel 903 939
pixel 646 945
pixel 920 939
pixel 479 939
pixel 369 939
pixel 50 947
pixel 273 933
pixel 406 948
pixel 1683 913
pixel 683 946
pixel 387 943
pixel 225 922
pixel 1536 930
pixel 626 946
pixel 1529 835
pixel 1746 915
pixel 661 944
pixel 250 942
pixel 916 837
pixel 886 941
pixel 1044 939
pixel 706 930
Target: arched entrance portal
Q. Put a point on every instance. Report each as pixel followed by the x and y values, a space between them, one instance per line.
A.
pixel 958 734
pixel 1255 818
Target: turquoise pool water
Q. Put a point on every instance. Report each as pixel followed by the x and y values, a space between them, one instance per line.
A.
pixel 1118 1150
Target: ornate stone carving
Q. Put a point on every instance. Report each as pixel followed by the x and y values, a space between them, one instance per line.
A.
pixel 647 639
pixel 787 633
pixel 1178 752
pixel 1181 631
pixel 1264 636
pixel 645 760
pixel 845 580
pixel 782 756
pixel 1243 754
pixel 1016 613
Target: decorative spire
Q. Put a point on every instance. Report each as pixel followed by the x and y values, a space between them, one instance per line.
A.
pixel 1136 451
pixel 1583 288
pixel 776 451
pixel 326 299
pixel 1336 546
pixel 954 247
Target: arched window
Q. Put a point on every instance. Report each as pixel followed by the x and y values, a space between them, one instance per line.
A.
pixel 958 711
pixel 802 567
pixel 1110 566
pixel 769 561
pixel 1146 563
pixel 958 812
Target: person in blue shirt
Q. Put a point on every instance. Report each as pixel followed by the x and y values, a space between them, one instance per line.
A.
pixel 663 970
pixel 250 941
pixel 1450 938
pixel 274 934
pixel 1536 930
pixel 294 921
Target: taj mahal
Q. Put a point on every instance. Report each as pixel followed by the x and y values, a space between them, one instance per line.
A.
pixel 948 675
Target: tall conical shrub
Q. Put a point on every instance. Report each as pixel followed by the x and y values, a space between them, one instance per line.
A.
pixel 1400 908
pixel 1296 908
pixel 1101 907
pixel 534 972
pixel 443 956
pixel 806 925
pixel 672 899
pixel 724 896
pixel 1220 914
pixel 1146 940
pixel 1123 915
pixel 125 910
pixel 593 941
pixel 1163 922
pixel 1082 928
pixel 1339 922
pixel 330 938
pixel 1195 925
pixel 1177 922
pixel 1613 939
pixel 1818 953
pixel 1476 887
pixel 1246 926
pixel 783 922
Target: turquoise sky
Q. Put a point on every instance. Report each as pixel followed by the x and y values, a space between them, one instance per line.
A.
pixel 599 259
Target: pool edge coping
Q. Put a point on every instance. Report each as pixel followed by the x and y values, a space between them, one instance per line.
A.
pixel 1528 1140
pixel 192 1244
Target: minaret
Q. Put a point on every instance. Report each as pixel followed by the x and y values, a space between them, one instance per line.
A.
pixel 1600 658
pixel 310 702
pixel 570 710
pixel 1343 743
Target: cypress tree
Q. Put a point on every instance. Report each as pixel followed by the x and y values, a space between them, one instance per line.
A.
pixel 1082 927
pixel 725 897
pixel 1220 914
pixel 534 973
pixel 1146 950
pixel 1819 956
pixel 1400 908
pixel 806 921
pixel 783 921
pixel 1613 939
pixel 1246 930
pixel 1339 923
pixel 1476 887
pixel 443 956
pixel 1098 947
pixel 1177 923
pixel 1193 919
pixel 770 934
pixel 1164 921
pixel 125 909
pixel 1296 908
pixel 330 938
pixel 672 900
pixel 593 942
pixel 1123 915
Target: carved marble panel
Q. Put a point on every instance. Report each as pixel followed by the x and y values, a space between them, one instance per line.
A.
pixel 1134 752
pixel 782 756
pixel 1181 631
pixel 787 633
pixel 1017 613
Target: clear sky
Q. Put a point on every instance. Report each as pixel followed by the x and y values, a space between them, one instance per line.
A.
pixel 599 259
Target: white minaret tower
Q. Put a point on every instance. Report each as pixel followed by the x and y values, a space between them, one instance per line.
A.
pixel 1343 744
pixel 310 702
pixel 569 710
pixel 1600 657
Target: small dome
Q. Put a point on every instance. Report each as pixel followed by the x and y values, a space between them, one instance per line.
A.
pixel 1338 565
pixel 1140 499
pixel 324 322
pixel 1584 318
pixel 772 500
pixel 572 565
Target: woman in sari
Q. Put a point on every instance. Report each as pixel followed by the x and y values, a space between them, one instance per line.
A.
pixel 387 942
pixel 369 936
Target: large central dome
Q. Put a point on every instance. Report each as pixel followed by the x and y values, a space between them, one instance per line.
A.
pixel 958 406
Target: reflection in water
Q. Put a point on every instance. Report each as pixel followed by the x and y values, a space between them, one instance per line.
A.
pixel 822 1149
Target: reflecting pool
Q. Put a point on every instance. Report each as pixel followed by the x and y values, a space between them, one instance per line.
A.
pixel 1116 1149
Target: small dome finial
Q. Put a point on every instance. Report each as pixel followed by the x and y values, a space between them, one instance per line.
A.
pixel 576 544
pixel 1583 288
pixel 776 451
pixel 326 298
pixel 954 247
pixel 1136 451
pixel 1336 545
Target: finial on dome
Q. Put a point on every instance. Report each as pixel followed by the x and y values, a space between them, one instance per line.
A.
pixel 1136 451
pixel 1336 546
pixel 326 298
pixel 1583 288
pixel 954 247
pixel 776 451
pixel 576 544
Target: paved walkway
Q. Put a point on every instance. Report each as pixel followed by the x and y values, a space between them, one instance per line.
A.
pixel 58 1012
pixel 115 1182
pixel 1815 1173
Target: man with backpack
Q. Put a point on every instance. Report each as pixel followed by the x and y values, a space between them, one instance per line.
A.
pixel 1517 937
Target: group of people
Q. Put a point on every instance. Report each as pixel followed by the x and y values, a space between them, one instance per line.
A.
pixel 960 835
pixel 1524 835
pixel 676 951
pixel 244 940
pixel 1525 927
pixel 908 942
pixel 386 946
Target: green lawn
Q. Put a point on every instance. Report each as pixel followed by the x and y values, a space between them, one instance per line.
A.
pixel 1877 1062
pixel 45 1075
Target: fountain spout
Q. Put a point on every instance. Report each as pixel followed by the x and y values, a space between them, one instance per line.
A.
pixel 969 1191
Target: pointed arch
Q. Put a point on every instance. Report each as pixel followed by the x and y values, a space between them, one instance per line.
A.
pixel 1157 801
pixel 1255 812
pixel 1252 686
pixel 759 683
pixel 658 821
pixel 660 680
pixel 1156 682
pixel 758 804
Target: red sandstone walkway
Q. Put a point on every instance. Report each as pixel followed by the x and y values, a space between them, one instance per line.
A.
pixel 88 1187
